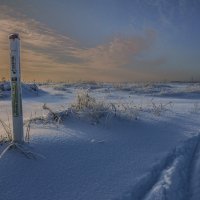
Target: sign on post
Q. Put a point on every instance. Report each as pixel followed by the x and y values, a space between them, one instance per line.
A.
pixel 16 94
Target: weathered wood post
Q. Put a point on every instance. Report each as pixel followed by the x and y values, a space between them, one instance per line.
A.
pixel 16 94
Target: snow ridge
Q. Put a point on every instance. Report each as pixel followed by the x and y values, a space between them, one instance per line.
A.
pixel 194 183
pixel 170 179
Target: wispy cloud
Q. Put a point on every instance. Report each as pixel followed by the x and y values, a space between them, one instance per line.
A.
pixel 119 52
pixel 41 46
pixel 46 54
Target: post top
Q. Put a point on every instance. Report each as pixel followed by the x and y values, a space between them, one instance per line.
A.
pixel 14 36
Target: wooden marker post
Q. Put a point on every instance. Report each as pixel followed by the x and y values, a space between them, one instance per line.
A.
pixel 16 94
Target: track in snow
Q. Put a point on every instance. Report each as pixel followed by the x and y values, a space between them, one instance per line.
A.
pixel 194 184
pixel 176 177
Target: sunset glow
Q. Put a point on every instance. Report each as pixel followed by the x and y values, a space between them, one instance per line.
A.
pixel 111 40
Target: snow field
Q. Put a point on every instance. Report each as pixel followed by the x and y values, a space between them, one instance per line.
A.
pixel 148 147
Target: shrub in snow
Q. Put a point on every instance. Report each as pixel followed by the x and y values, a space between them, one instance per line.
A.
pixel 196 108
pixel 54 116
pixel 160 108
pixel 88 107
pixel 85 107
pixel 7 137
pixel 128 111
pixel 62 87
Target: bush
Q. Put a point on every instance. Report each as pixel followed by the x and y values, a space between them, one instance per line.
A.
pixel 88 107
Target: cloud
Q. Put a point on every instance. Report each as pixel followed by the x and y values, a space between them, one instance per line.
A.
pixel 47 54
pixel 119 52
pixel 41 46
pixel 34 34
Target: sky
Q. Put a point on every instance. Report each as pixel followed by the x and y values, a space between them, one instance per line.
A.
pixel 103 40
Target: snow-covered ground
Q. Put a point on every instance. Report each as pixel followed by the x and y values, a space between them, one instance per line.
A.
pixel 145 145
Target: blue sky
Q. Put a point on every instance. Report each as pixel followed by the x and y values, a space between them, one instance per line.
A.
pixel 104 40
